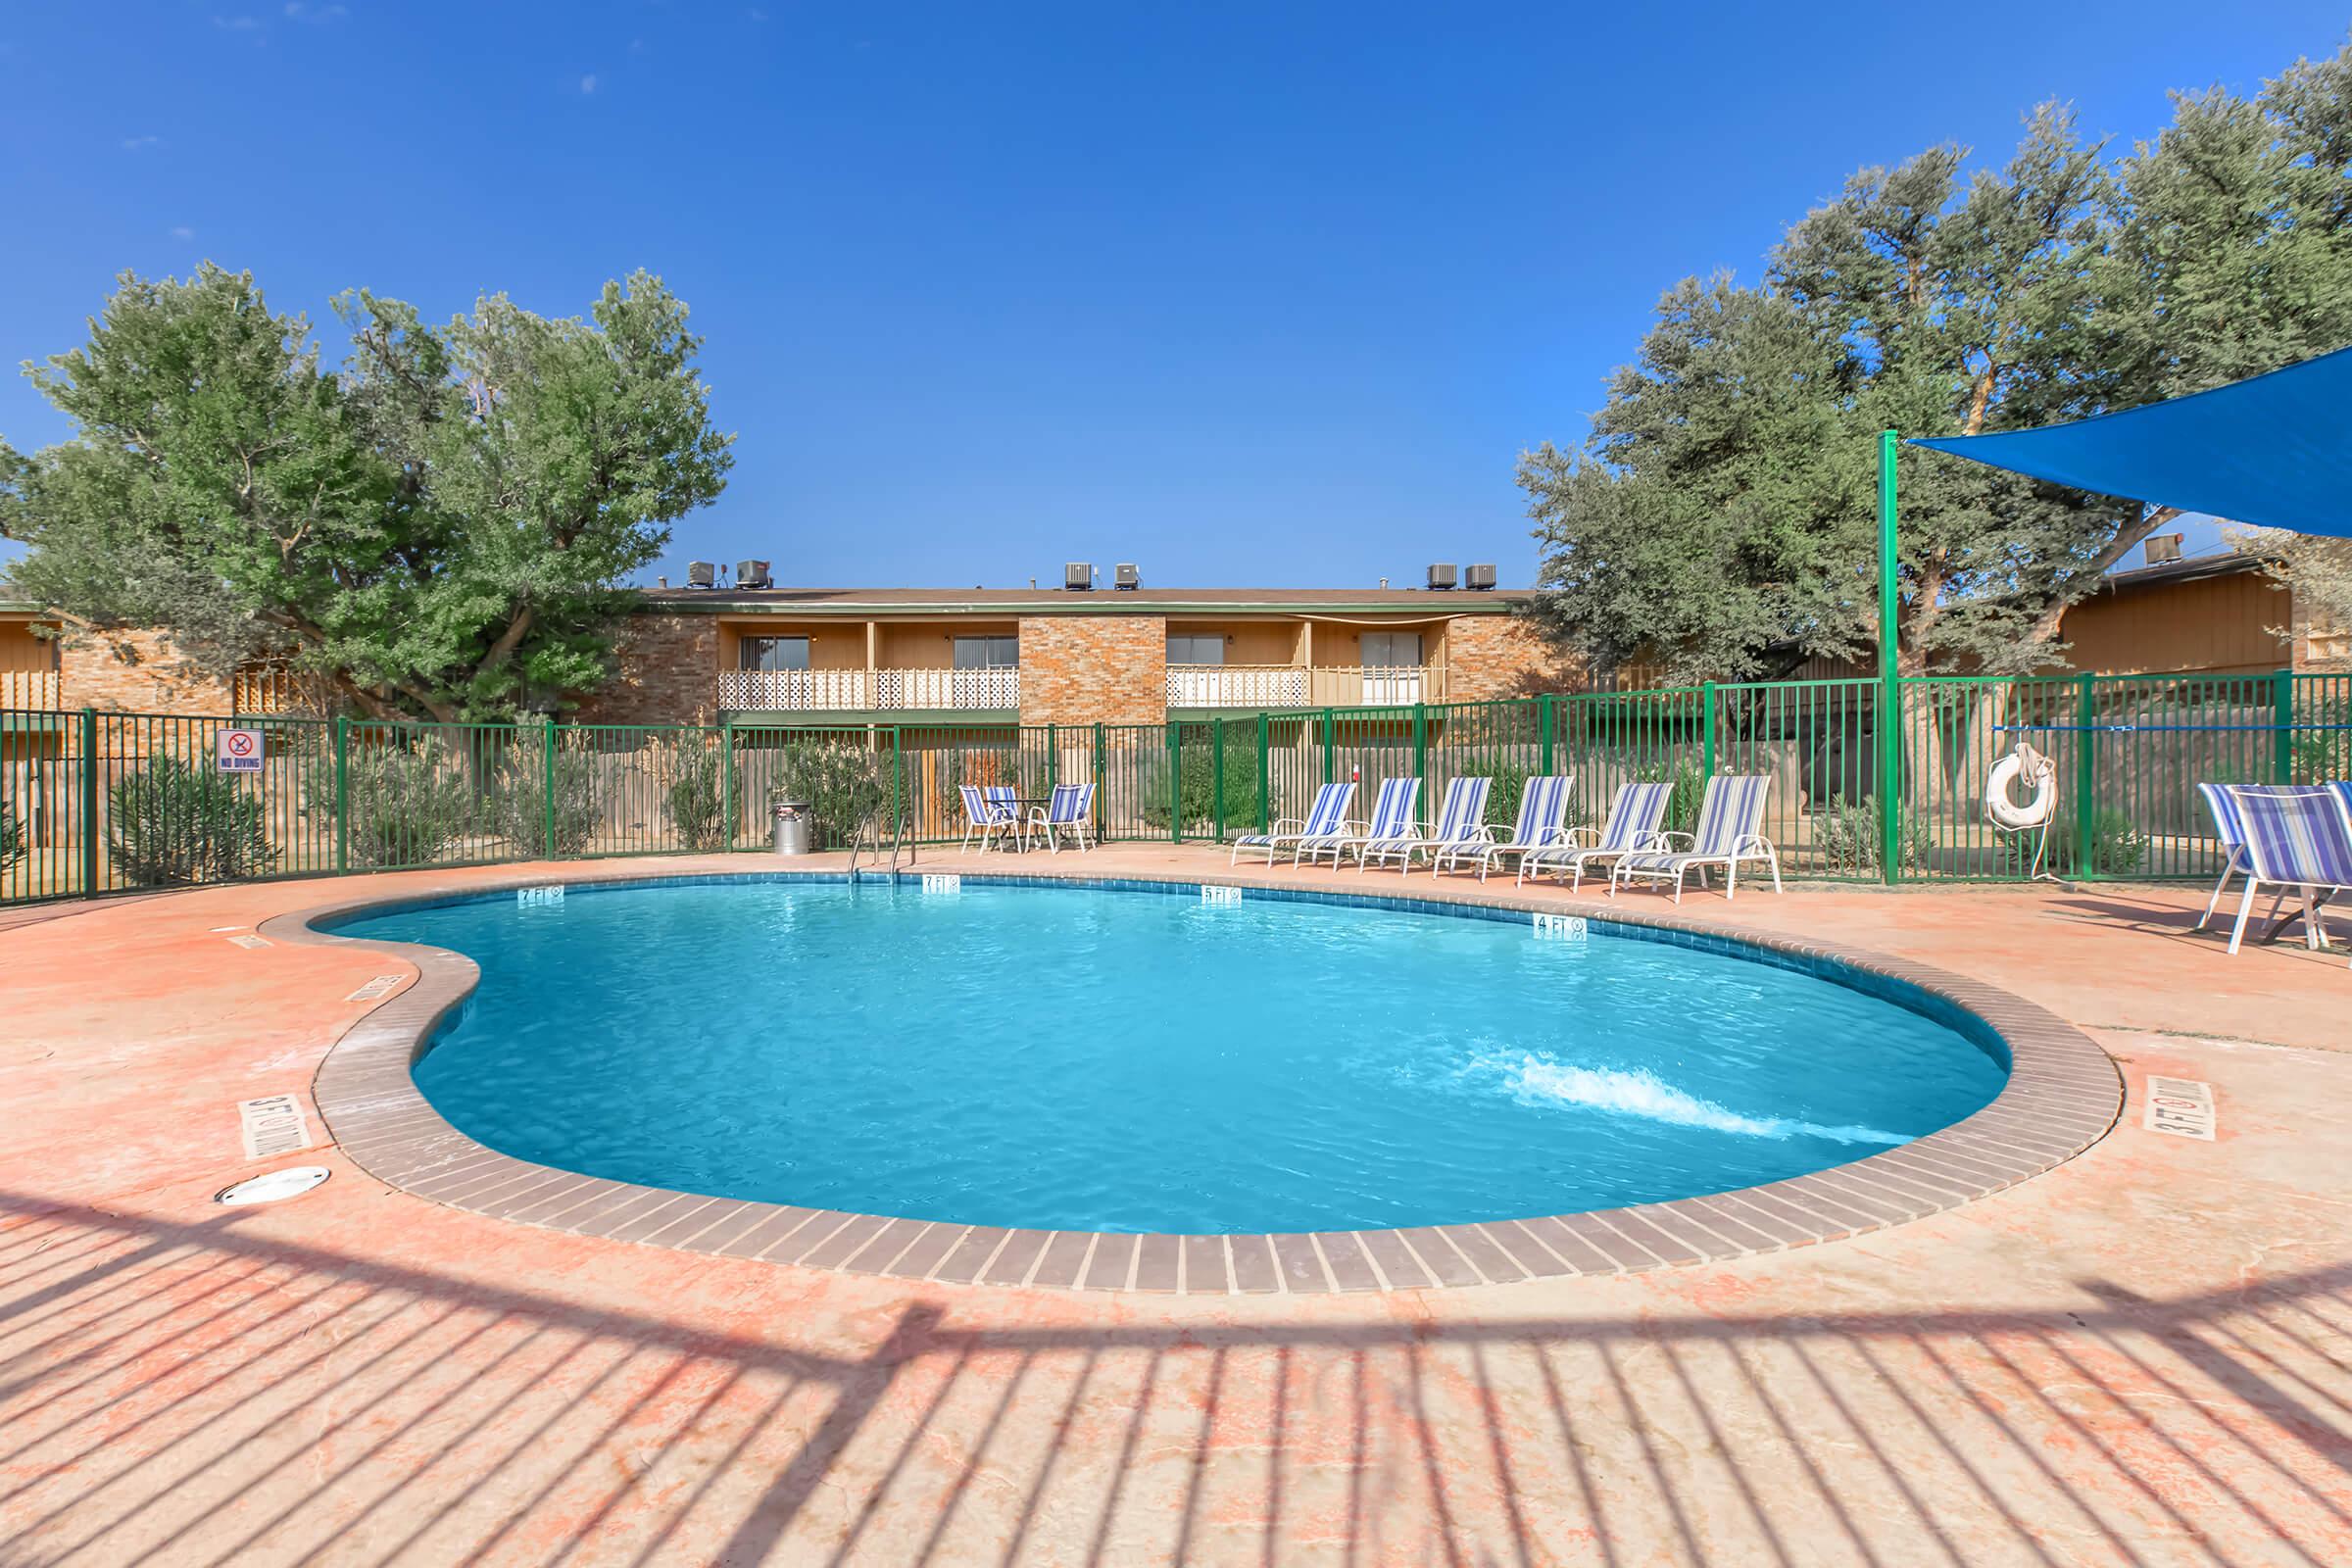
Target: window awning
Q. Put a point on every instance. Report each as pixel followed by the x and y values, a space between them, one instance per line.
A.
pixel 2274 450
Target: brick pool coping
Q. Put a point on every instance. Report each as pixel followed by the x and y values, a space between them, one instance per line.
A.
pixel 2062 1095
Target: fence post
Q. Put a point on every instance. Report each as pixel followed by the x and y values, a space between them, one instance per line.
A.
pixel 1706 730
pixel 1175 782
pixel 1544 732
pixel 89 802
pixel 2086 709
pixel 1421 752
pixel 2282 744
pixel 726 780
pixel 1217 776
pixel 1330 737
pixel 547 751
pixel 342 793
pixel 1265 774
pixel 1053 757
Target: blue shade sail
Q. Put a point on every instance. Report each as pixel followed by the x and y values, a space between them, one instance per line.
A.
pixel 2274 450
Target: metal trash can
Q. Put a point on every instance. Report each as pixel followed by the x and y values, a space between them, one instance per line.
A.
pixel 795 829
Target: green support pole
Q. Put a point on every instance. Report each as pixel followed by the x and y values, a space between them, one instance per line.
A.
pixel 726 780
pixel 2283 737
pixel 1706 729
pixel 1053 757
pixel 547 751
pixel 1265 774
pixel 89 802
pixel 2086 710
pixel 1543 731
pixel 1217 776
pixel 1175 782
pixel 342 792
pixel 1330 758
pixel 1889 721
pixel 1421 752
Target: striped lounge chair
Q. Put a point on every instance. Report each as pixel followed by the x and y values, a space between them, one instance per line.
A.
pixel 1071 811
pixel 1543 823
pixel 1635 818
pixel 2298 840
pixel 990 811
pixel 1392 817
pixel 1460 824
pixel 1327 816
pixel 1730 831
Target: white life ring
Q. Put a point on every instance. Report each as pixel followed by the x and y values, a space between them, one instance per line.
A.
pixel 2002 807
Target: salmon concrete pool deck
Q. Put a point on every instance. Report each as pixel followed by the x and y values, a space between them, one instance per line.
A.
pixel 2142 1355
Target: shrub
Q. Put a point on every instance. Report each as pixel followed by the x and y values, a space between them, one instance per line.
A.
pixel 2117 848
pixel 579 810
pixel 407 806
pixel 173 824
pixel 12 836
pixel 1846 834
pixel 1689 788
pixel 698 806
pixel 843 784
pixel 1197 788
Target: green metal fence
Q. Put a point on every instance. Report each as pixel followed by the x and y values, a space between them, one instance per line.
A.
pixel 100 802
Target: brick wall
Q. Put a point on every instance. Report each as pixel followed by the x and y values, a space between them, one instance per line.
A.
pixel 1488 657
pixel 666 672
pixel 1094 670
pixel 135 672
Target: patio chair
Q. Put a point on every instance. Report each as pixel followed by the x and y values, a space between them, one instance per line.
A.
pixel 989 815
pixel 1730 831
pixel 1635 821
pixel 1461 822
pixel 1325 817
pixel 1392 817
pixel 1071 811
pixel 1543 823
pixel 2298 840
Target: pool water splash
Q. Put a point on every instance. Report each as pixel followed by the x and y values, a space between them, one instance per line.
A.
pixel 1539 1081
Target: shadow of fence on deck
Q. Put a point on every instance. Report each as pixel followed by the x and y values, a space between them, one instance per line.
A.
pixel 204 1394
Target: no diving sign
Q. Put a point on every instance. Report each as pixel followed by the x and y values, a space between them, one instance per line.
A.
pixel 238 751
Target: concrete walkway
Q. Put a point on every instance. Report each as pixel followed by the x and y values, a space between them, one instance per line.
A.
pixel 2144 1356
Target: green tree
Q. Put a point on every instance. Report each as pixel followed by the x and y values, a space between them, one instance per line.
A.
pixel 1720 518
pixel 442 528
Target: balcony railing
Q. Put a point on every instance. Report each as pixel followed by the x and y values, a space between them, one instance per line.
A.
pixel 1302 686
pixel 28 688
pixel 797 691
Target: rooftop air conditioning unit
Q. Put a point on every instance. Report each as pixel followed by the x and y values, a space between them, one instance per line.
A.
pixel 1441 576
pixel 751 574
pixel 699 573
pixel 1078 575
pixel 2162 548
pixel 1479 576
pixel 1126 577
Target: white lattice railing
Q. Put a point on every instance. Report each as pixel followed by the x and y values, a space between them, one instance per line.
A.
pixel 28 688
pixel 1238 685
pixel 1299 686
pixel 796 691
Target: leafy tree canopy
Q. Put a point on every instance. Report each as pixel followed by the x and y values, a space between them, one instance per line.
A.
pixel 1721 520
pixel 440 528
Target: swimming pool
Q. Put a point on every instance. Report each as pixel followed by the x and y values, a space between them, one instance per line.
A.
pixel 1117 1059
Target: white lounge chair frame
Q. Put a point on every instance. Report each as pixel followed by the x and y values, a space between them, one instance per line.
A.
pixel 1326 816
pixel 997 817
pixel 1049 823
pixel 1391 816
pixel 1743 842
pixel 1460 823
pixel 2280 863
pixel 1543 823
pixel 1635 825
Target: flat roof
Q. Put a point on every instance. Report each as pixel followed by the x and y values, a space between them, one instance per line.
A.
pixel 1096 600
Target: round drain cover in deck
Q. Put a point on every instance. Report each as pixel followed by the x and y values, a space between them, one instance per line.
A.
pixel 292 1182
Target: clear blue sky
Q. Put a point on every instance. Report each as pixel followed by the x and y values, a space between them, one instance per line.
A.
pixel 1247 294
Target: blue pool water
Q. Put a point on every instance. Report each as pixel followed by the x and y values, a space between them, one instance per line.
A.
pixel 1129 1060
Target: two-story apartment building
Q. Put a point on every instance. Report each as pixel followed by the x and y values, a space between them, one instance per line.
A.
pixel 777 655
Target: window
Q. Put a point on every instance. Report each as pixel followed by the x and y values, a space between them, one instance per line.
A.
pixel 988 652
pixel 774 652
pixel 1392 650
pixel 1191 648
